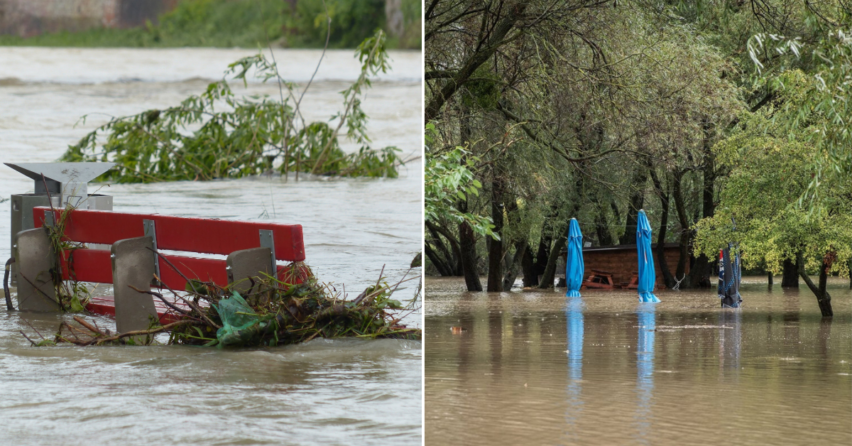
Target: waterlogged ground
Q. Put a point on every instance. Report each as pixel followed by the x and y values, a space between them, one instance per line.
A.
pixel 533 367
pixel 324 392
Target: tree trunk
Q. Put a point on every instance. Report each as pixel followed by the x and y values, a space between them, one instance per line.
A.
pixel 790 276
pixel 440 253
pixel 602 227
pixel 495 249
pixel 467 244
pixel 513 265
pixel 699 273
pixel 528 268
pixel 438 262
pixel 661 234
pixel 769 280
pixel 823 298
pixel 661 245
pixel 685 234
pixel 550 270
pixel 499 34
pixel 540 258
pixel 708 203
pixel 702 269
pixel 637 200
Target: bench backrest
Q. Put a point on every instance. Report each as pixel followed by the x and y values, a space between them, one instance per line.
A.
pixel 173 233
pixel 200 235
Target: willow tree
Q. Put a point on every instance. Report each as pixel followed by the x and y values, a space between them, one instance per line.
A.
pixel 475 52
pixel 771 170
pixel 569 105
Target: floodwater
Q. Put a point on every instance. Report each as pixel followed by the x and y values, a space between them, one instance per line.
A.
pixel 323 392
pixel 535 367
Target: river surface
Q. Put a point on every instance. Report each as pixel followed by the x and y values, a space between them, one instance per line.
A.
pixel 324 392
pixel 530 367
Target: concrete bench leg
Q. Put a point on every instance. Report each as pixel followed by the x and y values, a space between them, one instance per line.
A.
pixel 36 291
pixel 133 264
pixel 247 263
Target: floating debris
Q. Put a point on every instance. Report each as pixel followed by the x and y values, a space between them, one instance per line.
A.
pixel 271 312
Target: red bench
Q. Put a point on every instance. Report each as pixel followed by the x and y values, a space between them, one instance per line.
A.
pixel 134 238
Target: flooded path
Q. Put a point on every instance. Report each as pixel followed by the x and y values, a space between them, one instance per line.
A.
pixel 324 392
pixel 536 368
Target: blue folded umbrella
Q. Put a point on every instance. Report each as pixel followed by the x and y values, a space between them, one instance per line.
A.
pixel 647 276
pixel 574 268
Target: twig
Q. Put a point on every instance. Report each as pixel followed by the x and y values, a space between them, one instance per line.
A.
pixel 27 337
pixel 31 326
pixel 363 295
pixel 88 326
pixel 191 305
pixel 163 299
pixel 324 48
pixel 142 332
pixel 175 269
pixel 385 288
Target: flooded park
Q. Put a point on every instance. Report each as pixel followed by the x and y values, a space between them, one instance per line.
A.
pixel 535 367
pixel 324 391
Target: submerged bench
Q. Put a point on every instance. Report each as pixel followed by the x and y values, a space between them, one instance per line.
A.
pixel 132 259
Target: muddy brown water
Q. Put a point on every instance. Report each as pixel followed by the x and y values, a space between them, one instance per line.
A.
pixel 323 392
pixel 534 367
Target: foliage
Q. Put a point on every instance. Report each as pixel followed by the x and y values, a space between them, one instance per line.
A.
pixel 818 110
pixel 244 23
pixel 448 178
pixel 769 172
pixel 218 134
pixel 71 295
pixel 279 313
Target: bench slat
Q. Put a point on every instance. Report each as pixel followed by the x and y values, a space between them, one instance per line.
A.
pixel 94 265
pixel 179 233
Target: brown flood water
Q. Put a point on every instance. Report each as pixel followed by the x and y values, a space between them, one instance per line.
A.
pixel 536 367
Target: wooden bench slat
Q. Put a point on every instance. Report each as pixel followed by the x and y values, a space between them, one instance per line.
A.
pixel 179 233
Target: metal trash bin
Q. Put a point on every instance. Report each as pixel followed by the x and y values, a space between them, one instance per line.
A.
pixel 67 183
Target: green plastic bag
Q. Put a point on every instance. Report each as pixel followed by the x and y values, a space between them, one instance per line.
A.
pixel 239 321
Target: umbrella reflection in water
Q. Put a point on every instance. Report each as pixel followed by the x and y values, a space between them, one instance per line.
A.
pixel 645 367
pixel 574 315
pixel 730 338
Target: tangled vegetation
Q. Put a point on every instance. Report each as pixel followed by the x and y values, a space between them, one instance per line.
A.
pixel 271 312
pixel 218 134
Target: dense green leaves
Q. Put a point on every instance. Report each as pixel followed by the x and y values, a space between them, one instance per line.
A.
pixel 449 178
pixel 818 109
pixel 769 172
pixel 218 134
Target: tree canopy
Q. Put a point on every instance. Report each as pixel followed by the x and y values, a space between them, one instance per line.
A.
pixel 596 109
